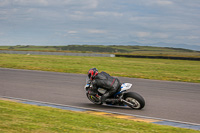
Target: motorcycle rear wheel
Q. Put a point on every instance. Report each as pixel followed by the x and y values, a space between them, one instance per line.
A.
pixel 135 99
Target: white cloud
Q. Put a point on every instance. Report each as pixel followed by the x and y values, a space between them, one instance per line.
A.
pixel 160 35
pixel 177 26
pixel 156 2
pixel 96 31
pixel 90 3
pixel 142 34
pixel 23 2
pixel 188 37
pixel 193 37
pixel 1 33
pixel 84 4
pixel 163 2
pixel 4 2
pixel 79 16
pixel 104 13
pixel 143 18
pixel 72 32
pixel 81 4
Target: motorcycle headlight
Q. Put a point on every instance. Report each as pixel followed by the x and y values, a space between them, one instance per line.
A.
pixel 87 86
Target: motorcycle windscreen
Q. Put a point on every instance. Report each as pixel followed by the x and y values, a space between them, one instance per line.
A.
pixel 87 79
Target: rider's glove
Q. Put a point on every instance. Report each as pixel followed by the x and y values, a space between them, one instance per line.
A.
pixel 89 82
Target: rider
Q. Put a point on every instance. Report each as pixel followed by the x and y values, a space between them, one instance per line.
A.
pixel 104 80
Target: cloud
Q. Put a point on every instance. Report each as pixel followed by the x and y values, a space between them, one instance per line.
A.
pixel 96 31
pixel 1 33
pixel 155 2
pixel 188 37
pixel 72 32
pixel 163 2
pixel 79 15
pixel 4 3
pixel 83 4
pixel 24 2
pixel 193 37
pixel 143 18
pixel 142 34
pixel 88 4
pixel 106 13
pixel 91 20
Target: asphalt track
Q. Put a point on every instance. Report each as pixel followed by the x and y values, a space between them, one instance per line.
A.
pixel 177 101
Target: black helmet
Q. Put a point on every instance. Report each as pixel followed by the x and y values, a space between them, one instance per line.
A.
pixel 92 73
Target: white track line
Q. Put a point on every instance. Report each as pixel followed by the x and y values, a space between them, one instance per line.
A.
pixel 147 117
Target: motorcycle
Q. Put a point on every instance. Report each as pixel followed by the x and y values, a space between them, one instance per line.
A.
pixel 131 99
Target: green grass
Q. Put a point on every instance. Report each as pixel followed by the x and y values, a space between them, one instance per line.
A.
pixel 160 69
pixel 24 118
pixel 116 49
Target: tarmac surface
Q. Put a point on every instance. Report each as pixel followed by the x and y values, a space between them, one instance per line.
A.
pixel 178 101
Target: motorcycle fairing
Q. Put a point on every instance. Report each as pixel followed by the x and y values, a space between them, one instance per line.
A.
pixel 125 86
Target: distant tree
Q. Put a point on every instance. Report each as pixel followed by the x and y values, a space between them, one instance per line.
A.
pixel 11 47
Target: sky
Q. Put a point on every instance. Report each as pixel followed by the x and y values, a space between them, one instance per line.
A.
pixel 65 22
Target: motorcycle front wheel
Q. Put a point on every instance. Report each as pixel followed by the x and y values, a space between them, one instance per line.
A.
pixel 136 100
pixel 93 99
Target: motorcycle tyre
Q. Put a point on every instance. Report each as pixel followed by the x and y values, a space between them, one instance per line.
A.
pixel 93 100
pixel 135 97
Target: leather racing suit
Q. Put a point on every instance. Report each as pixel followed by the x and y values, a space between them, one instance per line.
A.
pixel 104 80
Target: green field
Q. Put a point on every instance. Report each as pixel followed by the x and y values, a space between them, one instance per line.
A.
pixel 114 49
pixel 160 69
pixel 24 118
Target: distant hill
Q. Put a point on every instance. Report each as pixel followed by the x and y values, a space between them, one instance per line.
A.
pixel 162 44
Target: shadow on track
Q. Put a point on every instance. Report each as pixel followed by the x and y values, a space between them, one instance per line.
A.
pixel 104 107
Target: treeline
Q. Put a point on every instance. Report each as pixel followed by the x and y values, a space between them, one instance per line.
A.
pixel 100 48
pixel 119 48
pixel 159 57
pixel 93 48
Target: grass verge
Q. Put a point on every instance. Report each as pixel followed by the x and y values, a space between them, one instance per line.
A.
pixel 159 69
pixel 24 118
